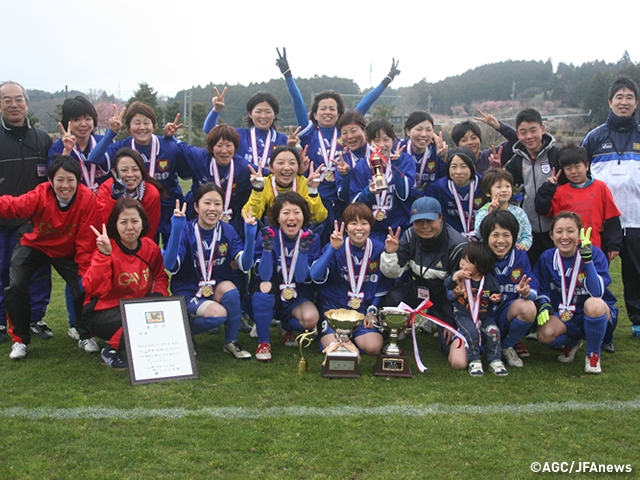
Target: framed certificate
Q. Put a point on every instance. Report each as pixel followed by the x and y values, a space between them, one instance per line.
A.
pixel 159 344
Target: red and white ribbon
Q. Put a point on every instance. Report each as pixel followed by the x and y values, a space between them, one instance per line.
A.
pixel 567 293
pixel 474 305
pixel 465 220
pixel 226 212
pixel 155 151
pixel 260 160
pixel 205 270
pixel 89 176
pixel 328 157
pixel 356 284
pixel 288 273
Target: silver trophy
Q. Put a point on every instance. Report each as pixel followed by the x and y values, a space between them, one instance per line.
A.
pixel 391 360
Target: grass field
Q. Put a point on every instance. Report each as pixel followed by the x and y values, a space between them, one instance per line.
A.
pixel 63 415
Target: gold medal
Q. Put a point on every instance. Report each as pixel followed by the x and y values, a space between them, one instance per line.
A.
pixel 207 291
pixel 354 303
pixel 225 218
pixel 380 215
pixel 287 293
pixel 566 316
pixel 329 176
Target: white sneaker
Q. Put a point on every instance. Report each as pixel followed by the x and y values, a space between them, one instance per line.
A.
pixel 73 333
pixel 89 345
pixel 475 368
pixel 254 331
pixel 18 351
pixel 512 357
pixel 569 353
pixel 592 364
pixel 235 349
pixel 498 368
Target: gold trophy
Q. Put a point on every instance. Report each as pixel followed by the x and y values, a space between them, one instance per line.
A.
pixel 377 171
pixel 304 340
pixel 343 356
pixel 391 360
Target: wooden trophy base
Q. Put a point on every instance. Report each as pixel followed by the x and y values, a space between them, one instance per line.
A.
pixel 392 366
pixel 341 365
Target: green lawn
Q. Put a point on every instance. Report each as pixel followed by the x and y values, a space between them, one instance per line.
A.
pixel 66 416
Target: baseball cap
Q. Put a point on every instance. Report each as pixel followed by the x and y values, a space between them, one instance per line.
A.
pixel 425 208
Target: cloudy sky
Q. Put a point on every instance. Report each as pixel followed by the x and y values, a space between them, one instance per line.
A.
pixel 173 45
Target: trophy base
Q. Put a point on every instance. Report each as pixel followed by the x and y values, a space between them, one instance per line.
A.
pixel 341 365
pixel 392 366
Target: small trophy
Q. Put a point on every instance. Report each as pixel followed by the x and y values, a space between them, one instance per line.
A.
pixel 342 357
pixel 304 340
pixel 391 360
pixel 377 168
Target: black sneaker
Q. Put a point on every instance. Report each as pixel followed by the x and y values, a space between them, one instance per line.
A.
pixel 3 333
pixel 112 359
pixel 42 330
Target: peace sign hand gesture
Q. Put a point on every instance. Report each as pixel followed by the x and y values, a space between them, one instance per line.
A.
pixel 282 62
pixel 315 176
pixel 553 179
pixel 249 219
pixel 495 159
pixel 68 139
pixel 218 100
pixel 293 139
pixel 342 166
pixel 396 155
pixel 102 240
pixel 170 129
pixel 256 178
pixel 180 212
pixel 337 237
pixel 115 122
pixel 392 242
pixel 488 119
pixel 523 287
pixel 441 146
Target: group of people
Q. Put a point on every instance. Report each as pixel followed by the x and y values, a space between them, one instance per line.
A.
pixel 340 213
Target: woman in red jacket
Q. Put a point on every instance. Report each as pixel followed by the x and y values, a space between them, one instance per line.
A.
pixel 127 264
pixel 131 181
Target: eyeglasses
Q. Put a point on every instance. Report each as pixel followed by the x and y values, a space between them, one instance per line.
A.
pixel 7 101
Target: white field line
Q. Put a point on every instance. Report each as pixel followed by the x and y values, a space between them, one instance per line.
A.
pixel 242 413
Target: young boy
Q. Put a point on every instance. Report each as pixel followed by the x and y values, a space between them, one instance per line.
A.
pixel 468 134
pixel 472 290
pixel 535 156
pixel 589 198
pixel 497 185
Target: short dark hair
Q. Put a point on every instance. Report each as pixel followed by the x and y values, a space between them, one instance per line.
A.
pixel 565 214
pixel 461 129
pixel 222 132
pixel 323 96
pixel 77 107
pixel 260 97
pixel 65 162
pixel 378 125
pixel 295 199
pixel 122 204
pixel 530 115
pixel 415 118
pixel 493 176
pixel 283 148
pixel 571 154
pixel 349 117
pixel 358 210
pixel 623 81
pixel 204 189
pixel 501 218
pixel 141 108
pixel 480 255
pixel 137 158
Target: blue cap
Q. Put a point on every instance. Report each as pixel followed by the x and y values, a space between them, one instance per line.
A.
pixel 425 208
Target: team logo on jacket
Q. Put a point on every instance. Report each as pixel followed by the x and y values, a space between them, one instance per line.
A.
pixel 545 167
pixel 163 165
pixel 516 274
pixel 373 266
pixel 478 202
pixel 607 146
pixel 636 146
pixel 431 166
pixel 222 249
pixel 581 277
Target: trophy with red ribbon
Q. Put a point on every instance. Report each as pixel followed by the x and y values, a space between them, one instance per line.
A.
pixel 378 166
pixel 342 357
pixel 391 360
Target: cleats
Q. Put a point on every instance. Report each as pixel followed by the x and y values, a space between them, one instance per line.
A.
pixel 569 353
pixel 18 351
pixel 89 345
pixel 592 364
pixel 235 349
pixel 521 350
pixel 42 330
pixel 512 357
pixel 112 359
pixel 263 353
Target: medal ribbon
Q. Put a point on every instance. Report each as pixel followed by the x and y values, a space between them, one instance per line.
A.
pixel 356 286
pixel 155 151
pixel 226 212
pixel 328 157
pixel 262 161
pixel 367 154
pixel 274 186
pixel 474 304
pixel 466 222
pixel 422 162
pixel 287 275
pixel 89 177
pixel 567 294
pixel 204 271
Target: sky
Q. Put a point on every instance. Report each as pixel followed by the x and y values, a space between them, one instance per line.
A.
pixel 174 45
